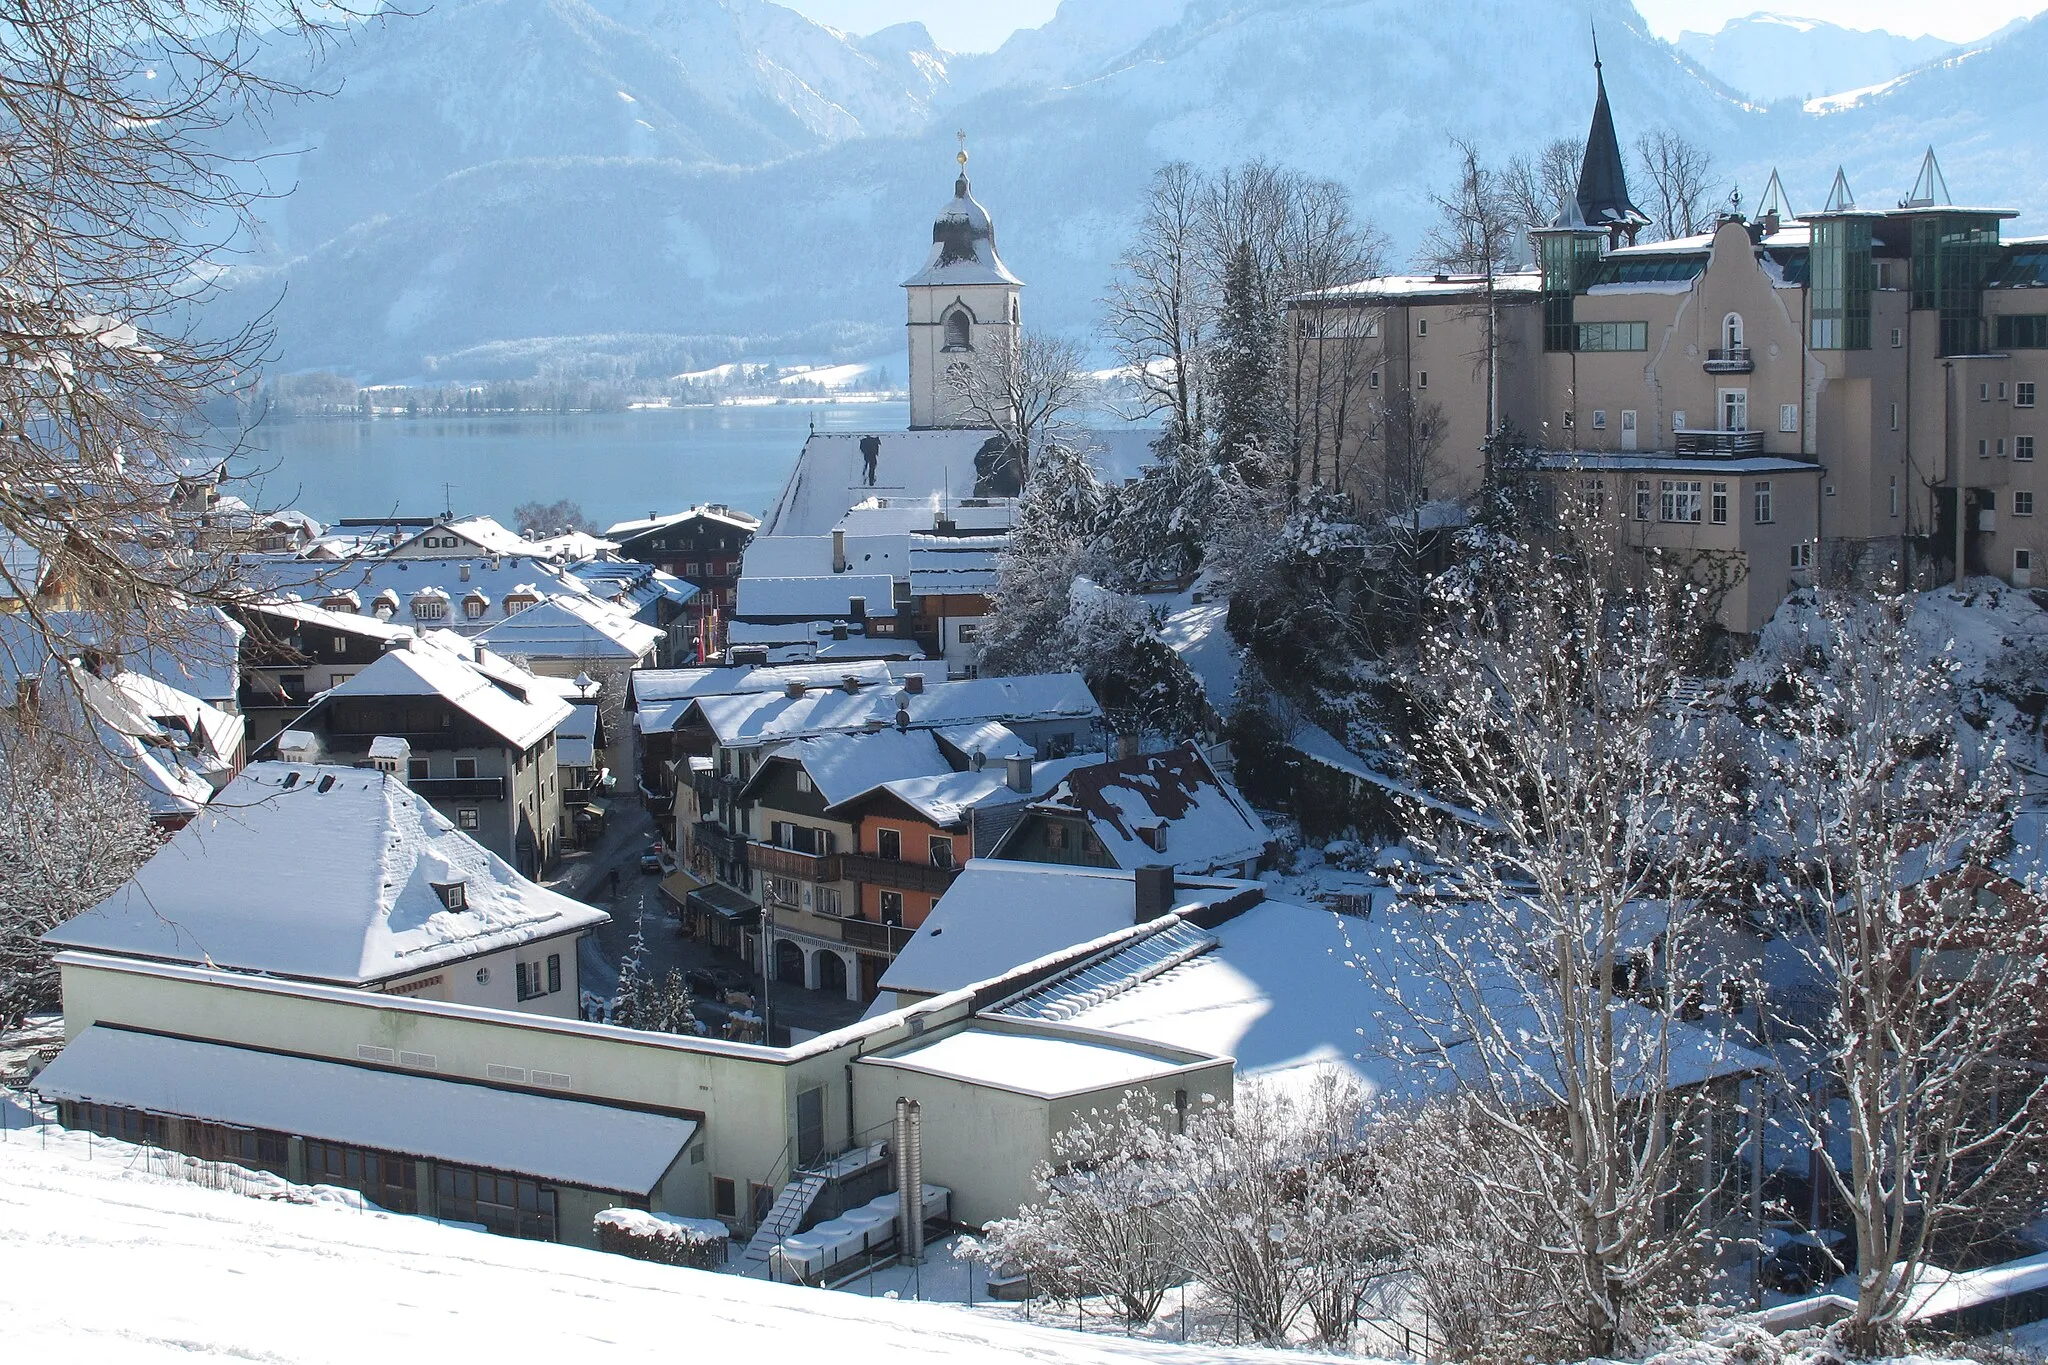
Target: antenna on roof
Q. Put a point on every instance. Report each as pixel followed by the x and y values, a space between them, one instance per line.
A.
pixel 447 502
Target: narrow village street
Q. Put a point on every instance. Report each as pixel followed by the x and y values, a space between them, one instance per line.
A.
pixel 609 877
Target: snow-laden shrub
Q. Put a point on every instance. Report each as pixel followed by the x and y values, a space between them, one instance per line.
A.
pixel 665 1239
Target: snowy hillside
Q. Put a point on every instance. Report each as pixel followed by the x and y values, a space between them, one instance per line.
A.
pixel 101 1260
pixel 1777 56
pixel 496 173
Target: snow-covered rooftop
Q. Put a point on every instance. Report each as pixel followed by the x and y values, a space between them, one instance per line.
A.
pixel 825 597
pixel 481 534
pixel 769 717
pixel 1000 915
pixel 706 511
pixel 323 873
pixel 1408 288
pixel 945 798
pixel 1195 819
pixel 811 556
pixel 842 766
pixel 1040 1064
pixel 573 628
pixel 489 689
pixel 920 471
pixel 578 1143
pixel 955 564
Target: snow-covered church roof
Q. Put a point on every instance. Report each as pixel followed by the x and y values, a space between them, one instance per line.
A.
pixel 326 874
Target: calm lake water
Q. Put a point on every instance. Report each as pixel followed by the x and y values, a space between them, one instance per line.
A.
pixel 616 465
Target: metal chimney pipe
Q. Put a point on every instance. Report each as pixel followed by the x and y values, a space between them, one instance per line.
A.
pixel 913 1196
pixel 899 1147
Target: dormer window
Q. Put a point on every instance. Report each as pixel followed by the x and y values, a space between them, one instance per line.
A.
pixel 1154 837
pixel 474 605
pixel 454 895
pixel 430 607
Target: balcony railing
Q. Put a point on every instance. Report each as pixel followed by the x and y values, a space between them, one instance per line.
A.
pixel 1721 444
pixel 1729 360
pixel 887 938
pixel 773 861
pixel 711 789
pixel 459 788
pixel 866 867
pixel 710 836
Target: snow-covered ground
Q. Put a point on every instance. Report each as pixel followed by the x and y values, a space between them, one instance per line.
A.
pixel 104 1259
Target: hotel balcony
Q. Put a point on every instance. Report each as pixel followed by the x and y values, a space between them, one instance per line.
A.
pixel 1729 360
pixel 773 861
pixel 903 876
pixel 1728 445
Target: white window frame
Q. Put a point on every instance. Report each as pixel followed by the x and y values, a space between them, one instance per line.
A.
pixel 2023 394
pixel 1717 504
pixel 1643 500
pixel 1763 502
pixel 2022 502
pixel 1678 501
pixel 2023 448
pixel 1599 419
pixel 1788 417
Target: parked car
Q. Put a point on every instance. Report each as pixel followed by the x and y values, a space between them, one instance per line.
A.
pixel 650 862
pixel 1806 1261
pixel 713 983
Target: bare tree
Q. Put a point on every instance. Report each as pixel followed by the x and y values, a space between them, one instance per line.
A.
pixel 72 830
pixel 555 518
pixel 1679 173
pixel 1477 233
pixel 1546 693
pixel 1540 186
pixel 1027 392
pixel 1893 828
pixel 1326 361
pixel 1160 305
pixel 109 190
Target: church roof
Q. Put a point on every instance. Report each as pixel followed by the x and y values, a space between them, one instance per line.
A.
pixel 1603 180
pixel 963 245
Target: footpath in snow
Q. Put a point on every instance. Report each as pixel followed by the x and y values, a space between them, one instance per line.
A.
pixel 102 1259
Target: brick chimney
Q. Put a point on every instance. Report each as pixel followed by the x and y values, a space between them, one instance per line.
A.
pixel 913 683
pixel 793 690
pixel 838 551
pixel 1017 774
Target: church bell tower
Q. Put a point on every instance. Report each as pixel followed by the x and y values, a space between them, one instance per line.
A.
pixel 963 309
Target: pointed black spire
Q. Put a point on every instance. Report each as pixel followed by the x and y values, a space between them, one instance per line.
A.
pixel 1603 180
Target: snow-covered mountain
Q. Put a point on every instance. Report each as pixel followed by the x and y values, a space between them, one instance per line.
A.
pixel 1779 56
pixel 508 178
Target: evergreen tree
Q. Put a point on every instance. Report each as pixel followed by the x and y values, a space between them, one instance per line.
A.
pixel 1247 370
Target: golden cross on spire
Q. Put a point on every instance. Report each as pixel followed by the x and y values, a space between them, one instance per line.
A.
pixel 962 135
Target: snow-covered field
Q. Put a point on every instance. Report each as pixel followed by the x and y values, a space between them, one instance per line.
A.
pixel 103 1260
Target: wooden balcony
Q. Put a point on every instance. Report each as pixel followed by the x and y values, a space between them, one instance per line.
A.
pixel 710 836
pixel 901 876
pixel 773 861
pixel 884 938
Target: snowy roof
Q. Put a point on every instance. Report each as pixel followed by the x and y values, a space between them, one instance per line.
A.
pixel 346 622
pixel 181 747
pixel 1413 288
pixel 922 472
pixel 878 516
pixel 805 642
pixel 842 767
pixel 811 556
pixel 1201 821
pixel 574 545
pixel 495 693
pixel 1041 1064
pixel 204 659
pixel 322 873
pixel 1290 990
pixel 570 1141
pixel 21 567
pixel 827 597
pixel 661 695
pixel 628 584
pixel 992 739
pixel 945 798
pixel 572 628
pixel 494 579
pixel 485 534
pixel 1000 915
pixel 765 718
pixel 707 511
pixel 963 245
pixel 576 737
pixel 955 564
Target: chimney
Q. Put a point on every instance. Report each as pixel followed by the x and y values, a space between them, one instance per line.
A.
pixel 857 608
pixel 1154 884
pixel 298 746
pixel 851 682
pixel 838 551
pixel 389 754
pixel 793 690
pixel 913 683
pixel 1126 746
pixel 1017 774
pixel 839 633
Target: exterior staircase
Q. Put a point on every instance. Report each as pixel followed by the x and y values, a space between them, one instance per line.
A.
pixel 785 1216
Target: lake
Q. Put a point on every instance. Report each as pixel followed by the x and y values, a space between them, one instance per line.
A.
pixel 617 466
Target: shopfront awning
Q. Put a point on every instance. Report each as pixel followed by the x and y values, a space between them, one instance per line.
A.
pixel 678 885
pixel 724 902
pixel 564 1141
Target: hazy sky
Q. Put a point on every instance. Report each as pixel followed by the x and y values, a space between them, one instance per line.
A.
pixel 981 25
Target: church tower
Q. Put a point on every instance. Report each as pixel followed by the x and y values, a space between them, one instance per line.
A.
pixel 963 308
